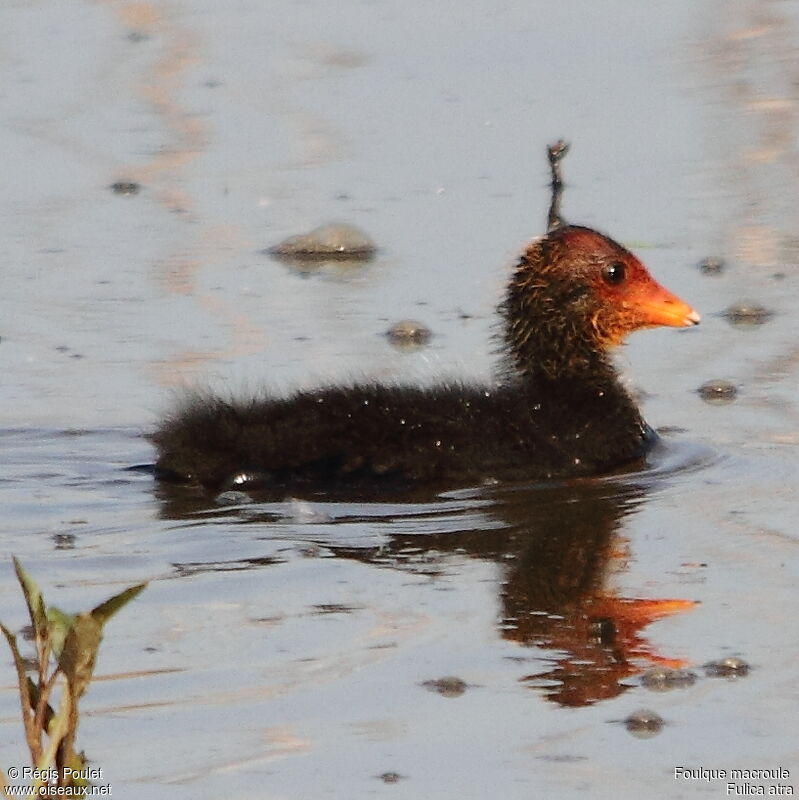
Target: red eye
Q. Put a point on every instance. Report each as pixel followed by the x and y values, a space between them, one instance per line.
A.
pixel 613 273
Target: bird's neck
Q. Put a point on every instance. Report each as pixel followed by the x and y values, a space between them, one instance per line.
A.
pixel 577 392
pixel 589 414
pixel 548 353
pixel 555 362
pixel 544 333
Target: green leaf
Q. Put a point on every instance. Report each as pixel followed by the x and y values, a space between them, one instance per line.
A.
pixel 59 625
pixel 31 735
pixel 77 763
pixel 34 599
pixel 106 610
pixel 12 642
pixel 20 667
pixel 33 692
pixel 80 652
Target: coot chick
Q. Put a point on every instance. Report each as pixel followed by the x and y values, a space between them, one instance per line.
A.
pixel 558 411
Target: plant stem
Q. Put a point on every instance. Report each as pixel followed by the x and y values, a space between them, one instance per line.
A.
pixel 555 153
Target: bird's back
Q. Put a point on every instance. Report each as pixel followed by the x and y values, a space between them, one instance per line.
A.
pixel 443 434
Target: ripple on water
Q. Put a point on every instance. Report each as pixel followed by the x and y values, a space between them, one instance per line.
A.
pixel 365 523
pixel 339 584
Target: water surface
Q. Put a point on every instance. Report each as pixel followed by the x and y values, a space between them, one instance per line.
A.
pixel 287 649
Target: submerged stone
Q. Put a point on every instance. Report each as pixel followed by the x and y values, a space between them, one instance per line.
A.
pixel 333 241
pixel 746 314
pixel 717 392
pixel 664 680
pixel 644 724
pixel 408 333
pixel 730 667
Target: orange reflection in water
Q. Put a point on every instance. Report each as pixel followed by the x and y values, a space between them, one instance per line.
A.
pixel 600 644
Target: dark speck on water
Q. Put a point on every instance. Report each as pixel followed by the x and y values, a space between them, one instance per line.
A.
pixel 391 777
pixel 333 608
pixel 125 188
pixel 562 758
pixel 64 541
pixel 711 266
pixel 447 687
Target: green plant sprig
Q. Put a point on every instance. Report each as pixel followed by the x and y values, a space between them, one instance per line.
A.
pixel 66 652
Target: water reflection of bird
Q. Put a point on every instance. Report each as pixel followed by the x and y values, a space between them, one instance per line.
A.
pixel 556 549
pixel 558 411
pixel 556 595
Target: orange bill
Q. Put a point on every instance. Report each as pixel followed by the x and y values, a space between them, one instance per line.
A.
pixel 655 305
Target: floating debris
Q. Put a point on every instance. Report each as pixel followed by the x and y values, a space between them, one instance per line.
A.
pixel 562 758
pixel 717 392
pixel 661 679
pixel 125 187
pixel 333 241
pixel 391 777
pixel 447 687
pixel 746 315
pixel 731 668
pixel 712 265
pixel 644 724
pixel 408 333
pixel 334 608
pixel 64 541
